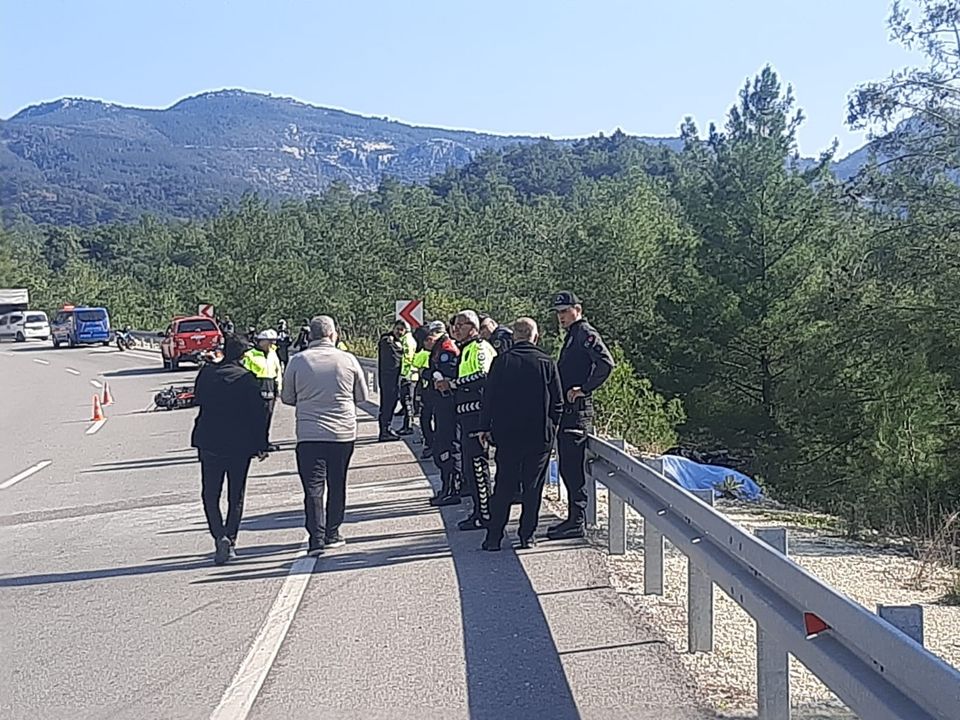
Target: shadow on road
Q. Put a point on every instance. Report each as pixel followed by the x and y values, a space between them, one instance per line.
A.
pixel 143 464
pixel 138 372
pixel 176 563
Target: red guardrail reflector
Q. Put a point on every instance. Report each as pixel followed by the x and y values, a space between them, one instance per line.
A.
pixel 814 625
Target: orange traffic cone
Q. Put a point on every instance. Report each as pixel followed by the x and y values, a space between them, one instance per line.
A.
pixel 97 410
pixel 107 397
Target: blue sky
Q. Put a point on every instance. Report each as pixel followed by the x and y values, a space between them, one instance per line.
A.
pixel 544 68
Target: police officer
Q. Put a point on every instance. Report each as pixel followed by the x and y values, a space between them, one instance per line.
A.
pixel 422 398
pixel 443 369
pixel 584 364
pixel 262 360
pixel 499 336
pixel 407 380
pixel 284 341
pixel 476 356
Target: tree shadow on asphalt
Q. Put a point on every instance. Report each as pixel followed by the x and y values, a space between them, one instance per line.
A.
pixel 142 371
pixel 141 464
pixel 177 563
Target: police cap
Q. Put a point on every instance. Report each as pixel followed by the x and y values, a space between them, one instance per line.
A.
pixel 565 299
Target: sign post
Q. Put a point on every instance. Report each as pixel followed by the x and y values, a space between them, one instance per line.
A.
pixel 206 311
pixel 411 312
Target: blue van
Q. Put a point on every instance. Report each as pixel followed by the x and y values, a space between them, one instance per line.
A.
pixel 80 326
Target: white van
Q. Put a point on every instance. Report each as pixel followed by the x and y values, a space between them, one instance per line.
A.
pixel 21 325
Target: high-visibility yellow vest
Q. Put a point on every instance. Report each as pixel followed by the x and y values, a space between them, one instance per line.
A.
pixel 476 358
pixel 409 351
pixel 263 365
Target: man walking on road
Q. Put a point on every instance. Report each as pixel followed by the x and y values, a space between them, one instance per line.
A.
pixel 389 363
pixel 230 429
pixel 324 384
pixel 585 363
pixel 522 404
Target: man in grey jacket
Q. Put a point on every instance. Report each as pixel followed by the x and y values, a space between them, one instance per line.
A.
pixel 324 384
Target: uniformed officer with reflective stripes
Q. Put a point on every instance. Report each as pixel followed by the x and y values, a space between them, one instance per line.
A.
pixel 442 370
pixel 476 356
pixel 584 364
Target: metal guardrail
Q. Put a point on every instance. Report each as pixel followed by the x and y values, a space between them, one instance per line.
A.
pixel 146 340
pixel 878 670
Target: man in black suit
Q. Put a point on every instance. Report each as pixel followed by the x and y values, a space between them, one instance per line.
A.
pixel 522 405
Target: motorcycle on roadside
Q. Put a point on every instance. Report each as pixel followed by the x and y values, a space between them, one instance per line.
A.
pixel 124 340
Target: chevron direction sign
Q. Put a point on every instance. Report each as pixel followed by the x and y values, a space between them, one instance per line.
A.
pixel 410 311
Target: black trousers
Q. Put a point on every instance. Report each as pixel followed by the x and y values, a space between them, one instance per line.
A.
pixel 572 448
pixel 518 467
pixel 213 468
pixel 444 437
pixel 270 404
pixel 389 392
pixel 323 468
pixel 426 417
pixel 406 401
pixel 475 465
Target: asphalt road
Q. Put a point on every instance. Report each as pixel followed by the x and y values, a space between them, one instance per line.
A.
pixel 110 606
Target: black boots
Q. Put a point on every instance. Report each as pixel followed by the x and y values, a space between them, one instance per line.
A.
pixel 571 528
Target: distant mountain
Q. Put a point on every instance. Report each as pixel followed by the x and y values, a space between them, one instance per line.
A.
pixel 84 161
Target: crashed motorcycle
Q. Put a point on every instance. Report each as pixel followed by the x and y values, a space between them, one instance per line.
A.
pixel 124 340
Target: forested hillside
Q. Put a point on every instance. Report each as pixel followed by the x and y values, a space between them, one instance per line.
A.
pixel 761 305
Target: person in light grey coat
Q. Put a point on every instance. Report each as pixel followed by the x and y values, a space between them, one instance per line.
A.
pixel 324 384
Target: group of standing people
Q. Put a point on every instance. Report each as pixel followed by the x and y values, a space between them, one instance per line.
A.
pixel 475 385
pixel 482 385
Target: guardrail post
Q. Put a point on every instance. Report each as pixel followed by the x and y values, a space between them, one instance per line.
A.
pixel 652 545
pixel 773 664
pixel 699 599
pixel 908 619
pixel 617 512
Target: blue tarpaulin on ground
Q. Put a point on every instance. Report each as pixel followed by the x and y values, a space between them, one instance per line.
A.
pixel 694 476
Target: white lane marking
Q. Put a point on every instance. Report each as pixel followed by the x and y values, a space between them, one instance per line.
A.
pixel 25 474
pixel 72 371
pixel 96 426
pixel 96 383
pixel 245 686
pixel 41 362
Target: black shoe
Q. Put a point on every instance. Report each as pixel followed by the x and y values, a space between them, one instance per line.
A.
pixel 405 431
pixel 490 546
pixel 427 452
pixel 316 548
pixel 334 541
pixel 527 543
pixel 566 530
pixel 445 500
pixel 389 436
pixel 222 553
pixel 471 523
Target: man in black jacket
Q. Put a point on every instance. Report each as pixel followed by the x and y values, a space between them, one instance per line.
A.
pixel 522 404
pixel 389 360
pixel 585 364
pixel 230 429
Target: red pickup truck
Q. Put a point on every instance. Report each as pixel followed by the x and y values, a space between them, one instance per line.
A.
pixel 193 339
